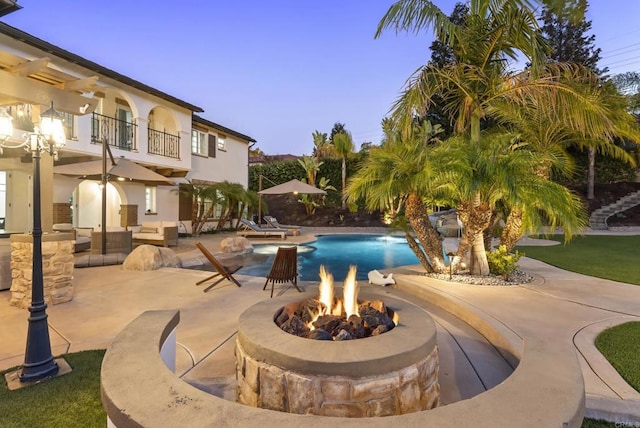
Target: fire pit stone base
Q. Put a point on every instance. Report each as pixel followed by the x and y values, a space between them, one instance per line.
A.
pixel 390 374
pixel 411 389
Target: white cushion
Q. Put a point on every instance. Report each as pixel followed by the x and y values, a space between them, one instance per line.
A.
pixel 148 236
pixel 156 224
pixel 135 229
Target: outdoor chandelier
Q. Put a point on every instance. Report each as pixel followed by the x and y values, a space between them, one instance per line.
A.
pixel 49 136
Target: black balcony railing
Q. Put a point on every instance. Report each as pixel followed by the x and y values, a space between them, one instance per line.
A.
pixel 118 133
pixel 164 144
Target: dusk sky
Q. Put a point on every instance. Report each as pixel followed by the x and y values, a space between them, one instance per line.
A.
pixel 274 70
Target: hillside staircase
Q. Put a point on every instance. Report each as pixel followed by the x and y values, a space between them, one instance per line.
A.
pixel 598 219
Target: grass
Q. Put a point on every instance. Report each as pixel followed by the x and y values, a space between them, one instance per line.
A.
pixel 621 346
pixel 68 401
pixel 608 257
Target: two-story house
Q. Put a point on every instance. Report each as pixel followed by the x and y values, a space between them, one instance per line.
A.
pixel 103 108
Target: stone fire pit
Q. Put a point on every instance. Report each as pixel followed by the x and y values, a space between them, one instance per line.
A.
pixel 390 374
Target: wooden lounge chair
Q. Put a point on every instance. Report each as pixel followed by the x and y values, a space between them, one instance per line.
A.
pixel 225 271
pixel 273 222
pixel 284 268
pixel 250 228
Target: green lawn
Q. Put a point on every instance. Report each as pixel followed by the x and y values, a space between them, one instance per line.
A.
pixel 69 401
pixel 609 257
pixel 621 346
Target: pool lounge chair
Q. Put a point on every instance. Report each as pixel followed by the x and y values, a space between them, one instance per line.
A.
pixel 273 222
pixel 226 272
pixel 250 228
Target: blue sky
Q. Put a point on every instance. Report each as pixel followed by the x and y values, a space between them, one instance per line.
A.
pixel 275 70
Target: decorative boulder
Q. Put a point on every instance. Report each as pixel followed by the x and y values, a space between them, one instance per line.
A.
pixel 149 257
pixel 238 244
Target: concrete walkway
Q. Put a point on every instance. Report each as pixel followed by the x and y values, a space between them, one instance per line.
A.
pixel 559 306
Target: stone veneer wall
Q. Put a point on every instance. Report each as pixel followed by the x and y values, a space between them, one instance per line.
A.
pixel 57 267
pixel 411 389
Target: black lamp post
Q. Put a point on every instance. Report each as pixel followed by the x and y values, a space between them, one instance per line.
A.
pixel 38 360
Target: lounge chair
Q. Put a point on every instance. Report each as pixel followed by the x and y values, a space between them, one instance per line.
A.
pixel 284 268
pixel 273 222
pixel 250 228
pixel 225 271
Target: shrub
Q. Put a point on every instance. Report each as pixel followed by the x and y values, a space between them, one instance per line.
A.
pixel 502 262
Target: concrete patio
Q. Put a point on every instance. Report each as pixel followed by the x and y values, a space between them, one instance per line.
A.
pixel 558 307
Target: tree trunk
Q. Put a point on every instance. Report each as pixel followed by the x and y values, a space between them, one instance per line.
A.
pixel 424 261
pixel 344 184
pixel 426 234
pixel 476 217
pixel 591 178
pixel 512 231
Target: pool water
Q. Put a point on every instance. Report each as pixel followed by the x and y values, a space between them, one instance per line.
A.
pixel 337 253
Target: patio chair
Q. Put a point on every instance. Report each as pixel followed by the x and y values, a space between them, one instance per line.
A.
pixel 284 268
pixel 226 272
pixel 250 228
pixel 273 222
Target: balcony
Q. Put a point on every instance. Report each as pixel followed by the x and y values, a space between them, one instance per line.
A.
pixel 118 133
pixel 164 144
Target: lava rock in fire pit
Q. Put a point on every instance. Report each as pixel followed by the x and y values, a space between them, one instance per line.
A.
pixel 319 334
pixel 343 335
pixel 296 326
pixel 308 308
pixel 372 318
pixel 328 322
pixel 379 330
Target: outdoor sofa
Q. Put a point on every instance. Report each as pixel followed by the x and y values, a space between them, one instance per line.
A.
pixel 164 233
pixel 82 235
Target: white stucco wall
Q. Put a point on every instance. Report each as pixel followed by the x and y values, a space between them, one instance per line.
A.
pixel 230 165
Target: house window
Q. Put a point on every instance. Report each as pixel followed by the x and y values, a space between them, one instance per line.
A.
pixel 68 122
pixel 150 199
pixel 222 142
pixel 198 142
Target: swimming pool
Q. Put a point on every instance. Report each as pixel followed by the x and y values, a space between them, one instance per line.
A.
pixel 337 253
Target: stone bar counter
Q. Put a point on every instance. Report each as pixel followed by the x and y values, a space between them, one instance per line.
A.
pixel 57 268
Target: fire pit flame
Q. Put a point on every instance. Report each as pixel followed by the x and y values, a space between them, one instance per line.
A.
pixel 328 317
pixel 350 293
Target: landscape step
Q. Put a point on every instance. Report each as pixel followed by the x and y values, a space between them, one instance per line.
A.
pixel 598 218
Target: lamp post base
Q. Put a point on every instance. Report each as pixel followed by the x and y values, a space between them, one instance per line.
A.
pixel 15 382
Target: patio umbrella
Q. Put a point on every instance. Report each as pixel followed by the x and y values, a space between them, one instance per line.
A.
pixel 103 171
pixel 122 168
pixel 293 186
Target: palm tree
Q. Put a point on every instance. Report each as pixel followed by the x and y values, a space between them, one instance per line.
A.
pixel 321 145
pixel 343 145
pixel 229 197
pixel 498 171
pixel 203 199
pixel 478 82
pixel 396 176
pixel 311 167
pixel 549 133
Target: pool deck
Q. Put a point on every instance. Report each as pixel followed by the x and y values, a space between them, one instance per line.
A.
pixel 557 306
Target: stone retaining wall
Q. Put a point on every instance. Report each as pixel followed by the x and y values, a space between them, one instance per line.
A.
pixel 57 268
